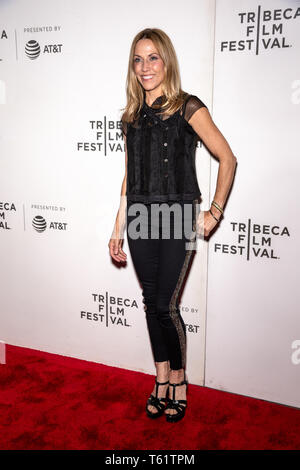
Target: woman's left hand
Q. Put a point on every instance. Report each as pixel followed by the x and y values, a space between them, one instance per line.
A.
pixel 205 223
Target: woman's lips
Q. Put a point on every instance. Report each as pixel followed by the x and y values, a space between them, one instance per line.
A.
pixel 147 77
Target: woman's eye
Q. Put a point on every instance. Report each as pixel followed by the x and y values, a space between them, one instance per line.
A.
pixel 137 59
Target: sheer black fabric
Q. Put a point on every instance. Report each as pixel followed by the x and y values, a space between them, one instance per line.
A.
pixel 161 153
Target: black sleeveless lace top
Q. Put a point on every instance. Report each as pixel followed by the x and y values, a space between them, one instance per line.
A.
pixel 161 154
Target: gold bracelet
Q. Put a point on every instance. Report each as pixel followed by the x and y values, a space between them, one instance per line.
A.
pixel 218 207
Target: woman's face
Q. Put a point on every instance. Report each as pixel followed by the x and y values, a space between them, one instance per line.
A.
pixel 148 65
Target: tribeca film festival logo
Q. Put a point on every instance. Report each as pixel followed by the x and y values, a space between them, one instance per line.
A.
pixel 263 30
pixel 5 210
pixel 109 310
pixel 253 240
pixel 106 137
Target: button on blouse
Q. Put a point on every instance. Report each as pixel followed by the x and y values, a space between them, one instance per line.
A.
pixel 161 154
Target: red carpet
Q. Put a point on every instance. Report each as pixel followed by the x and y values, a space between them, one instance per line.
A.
pixel 52 402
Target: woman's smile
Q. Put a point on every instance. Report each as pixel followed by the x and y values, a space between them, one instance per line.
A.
pixel 147 77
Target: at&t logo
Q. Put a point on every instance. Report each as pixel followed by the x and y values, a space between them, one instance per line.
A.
pixel 33 49
pixel 39 224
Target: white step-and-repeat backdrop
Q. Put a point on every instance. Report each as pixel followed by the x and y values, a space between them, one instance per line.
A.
pixel 62 86
pixel 253 321
pixel 63 74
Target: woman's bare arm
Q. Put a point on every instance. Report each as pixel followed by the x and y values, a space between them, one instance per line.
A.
pixel 216 143
pixel 116 240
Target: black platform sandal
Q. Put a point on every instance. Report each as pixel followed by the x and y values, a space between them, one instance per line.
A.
pixel 178 405
pixel 157 402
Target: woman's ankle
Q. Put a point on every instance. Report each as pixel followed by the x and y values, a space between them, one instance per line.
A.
pixel 162 371
pixel 176 375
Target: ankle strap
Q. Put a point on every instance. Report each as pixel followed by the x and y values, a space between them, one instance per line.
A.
pixel 157 384
pixel 161 383
pixel 184 382
pixel 181 383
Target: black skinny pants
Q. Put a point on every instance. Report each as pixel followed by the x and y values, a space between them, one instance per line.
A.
pixel 161 265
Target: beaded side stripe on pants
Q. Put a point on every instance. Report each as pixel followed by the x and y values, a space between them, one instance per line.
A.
pixel 172 305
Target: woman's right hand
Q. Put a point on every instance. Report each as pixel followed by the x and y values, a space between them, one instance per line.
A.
pixel 115 250
pixel 205 224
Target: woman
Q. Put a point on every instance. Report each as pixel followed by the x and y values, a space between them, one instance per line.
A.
pixel 161 125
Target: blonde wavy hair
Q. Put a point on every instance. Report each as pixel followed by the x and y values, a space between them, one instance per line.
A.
pixel 171 86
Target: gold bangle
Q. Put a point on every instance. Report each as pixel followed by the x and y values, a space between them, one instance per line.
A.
pixel 217 206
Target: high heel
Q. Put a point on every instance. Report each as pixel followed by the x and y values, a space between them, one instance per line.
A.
pixel 178 405
pixel 157 402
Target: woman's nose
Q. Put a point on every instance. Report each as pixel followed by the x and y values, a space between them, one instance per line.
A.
pixel 146 66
